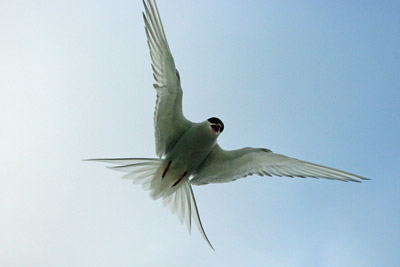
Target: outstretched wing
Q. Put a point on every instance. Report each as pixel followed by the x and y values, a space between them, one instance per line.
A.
pixel 223 166
pixel 169 122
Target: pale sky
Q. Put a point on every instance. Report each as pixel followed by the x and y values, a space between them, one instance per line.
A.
pixel 318 81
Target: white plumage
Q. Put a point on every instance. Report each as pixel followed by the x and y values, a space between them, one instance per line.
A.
pixel 188 152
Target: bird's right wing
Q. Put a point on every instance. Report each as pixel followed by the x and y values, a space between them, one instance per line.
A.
pixel 222 166
pixel 169 122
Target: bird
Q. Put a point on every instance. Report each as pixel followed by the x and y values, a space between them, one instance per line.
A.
pixel 188 152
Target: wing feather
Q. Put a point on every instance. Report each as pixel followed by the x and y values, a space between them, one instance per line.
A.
pixel 223 166
pixel 169 122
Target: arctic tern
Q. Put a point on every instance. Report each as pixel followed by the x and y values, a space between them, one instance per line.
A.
pixel 188 152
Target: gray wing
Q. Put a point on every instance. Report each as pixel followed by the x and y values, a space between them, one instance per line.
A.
pixel 223 166
pixel 169 122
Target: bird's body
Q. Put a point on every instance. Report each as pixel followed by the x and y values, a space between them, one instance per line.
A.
pixel 184 158
pixel 188 152
pixel 193 147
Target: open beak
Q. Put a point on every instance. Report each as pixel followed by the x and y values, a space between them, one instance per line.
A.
pixel 216 128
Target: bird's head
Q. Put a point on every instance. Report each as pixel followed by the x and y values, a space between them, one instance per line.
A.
pixel 216 125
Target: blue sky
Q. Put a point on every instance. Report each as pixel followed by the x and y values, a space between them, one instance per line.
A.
pixel 318 81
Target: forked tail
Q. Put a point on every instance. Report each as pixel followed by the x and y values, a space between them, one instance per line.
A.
pixel 181 201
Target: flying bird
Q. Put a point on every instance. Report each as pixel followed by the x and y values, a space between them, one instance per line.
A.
pixel 188 152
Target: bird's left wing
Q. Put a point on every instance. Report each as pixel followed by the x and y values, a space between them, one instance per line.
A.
pixel 223 166
pixel 169 122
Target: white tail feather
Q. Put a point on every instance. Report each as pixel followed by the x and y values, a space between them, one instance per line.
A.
pixel 146 172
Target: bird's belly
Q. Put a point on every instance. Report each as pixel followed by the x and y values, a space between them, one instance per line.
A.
pixel 188 153
pixel 181 166
pixel 188 156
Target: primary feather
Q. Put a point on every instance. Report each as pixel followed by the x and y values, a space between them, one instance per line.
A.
pixel 222 166
pixel 169 122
